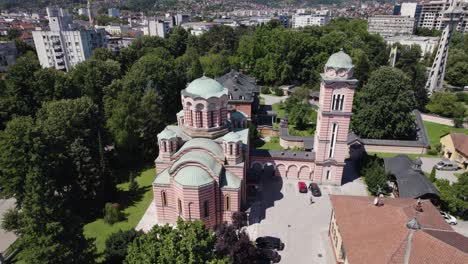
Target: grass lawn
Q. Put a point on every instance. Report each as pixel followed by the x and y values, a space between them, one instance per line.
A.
pixel 133 212
pixel 309 131
pixel 435 131
pixel 279 107
pixel 260 144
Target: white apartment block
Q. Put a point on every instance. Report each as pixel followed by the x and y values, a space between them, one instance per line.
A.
pixel 160 28
pixel 63 46
pixel 408 9
pixel 427 44
pixel 432 15
pixel 388 26
pixel 300 21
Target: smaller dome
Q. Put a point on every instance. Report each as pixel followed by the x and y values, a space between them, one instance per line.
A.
pixel 205 87
pixel 193 176
pixel 238 115
pixel 167 134
pixel 232 137
pixel 340 60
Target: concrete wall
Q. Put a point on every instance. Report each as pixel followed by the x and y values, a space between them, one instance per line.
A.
pixel 291 144
pixel 395 149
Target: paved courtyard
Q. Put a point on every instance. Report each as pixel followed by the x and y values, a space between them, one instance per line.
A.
pixel 428 164
pixel 281 211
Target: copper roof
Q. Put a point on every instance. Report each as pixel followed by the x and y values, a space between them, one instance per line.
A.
pixel 378 234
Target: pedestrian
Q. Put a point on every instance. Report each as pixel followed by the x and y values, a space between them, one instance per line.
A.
pixel 311 199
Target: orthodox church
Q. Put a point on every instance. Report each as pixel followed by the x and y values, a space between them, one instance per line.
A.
pixel 203 160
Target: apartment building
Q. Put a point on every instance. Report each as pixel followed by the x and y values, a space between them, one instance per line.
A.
pixel 388 26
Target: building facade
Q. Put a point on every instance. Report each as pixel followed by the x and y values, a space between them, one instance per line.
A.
pixel 301 20
pixel 388 26
pixel 8 54
pixel 432 15
pixel 64 46
pixel 159 28
pixel 427 44
pixel 454 147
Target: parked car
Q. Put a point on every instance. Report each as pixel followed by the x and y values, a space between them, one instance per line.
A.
pixel 302 187
pixel 449 218
pixel 314 189
pixel 268 254
pixel 269 243
pixel 446 165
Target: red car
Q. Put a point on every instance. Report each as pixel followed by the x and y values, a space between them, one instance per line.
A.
pixel 302 187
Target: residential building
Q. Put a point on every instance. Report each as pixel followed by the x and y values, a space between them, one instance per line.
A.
pixel 113 12
pixel 455 148
pixel 284 20
pixel 391 25
pixel 115 29
pixel 432 15
pixel 198 28
pixel 82 11
pixel 8 54
pixel 181 19
pixel 203 161
pixel 411 10
pixel 427 44
pixel 243 92
pixel 160 28
pixel 302 20
pixel 407 179
pixel 365 230
pixel 64 46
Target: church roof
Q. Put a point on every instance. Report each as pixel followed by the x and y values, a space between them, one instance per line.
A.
pixel 166 134
pixel 193 176
pixel 238 115
pixel 198 156
pixel 241 87
pixel 229 181
pixel 340 60
pixel 205 87
pixel 204 143
pixel 162 178
pixel 232 137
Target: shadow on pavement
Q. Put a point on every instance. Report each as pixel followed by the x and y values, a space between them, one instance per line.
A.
pixel 268 191
pixel 350 171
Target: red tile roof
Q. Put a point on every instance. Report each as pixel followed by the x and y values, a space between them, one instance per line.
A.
pixel 460 141
pixel 374 234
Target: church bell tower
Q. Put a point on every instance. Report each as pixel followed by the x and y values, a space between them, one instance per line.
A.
pixel 333 119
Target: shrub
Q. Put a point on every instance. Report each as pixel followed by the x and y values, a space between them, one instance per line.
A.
pixel 278 91
pixel 432 176
pixel 112 213
pixel 432 152
pixel 374 174
pixel 11 220
pixel 274 140
pixel 265 90
pixel 117 243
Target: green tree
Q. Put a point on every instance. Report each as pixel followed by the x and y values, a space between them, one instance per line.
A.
pixel 177 41
pixel 215 65
pixel 445 104
pixel 453 197
pixel 383 108
pixel 217 39
pixel 102 54
pixel 190 242
pixel 117 244
pixel 374 175
pixel 189 65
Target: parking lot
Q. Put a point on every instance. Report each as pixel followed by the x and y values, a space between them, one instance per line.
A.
pixel 428 164
pixel 281 211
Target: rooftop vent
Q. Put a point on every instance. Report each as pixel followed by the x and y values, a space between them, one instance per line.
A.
pixel 413 224
pixel 418 207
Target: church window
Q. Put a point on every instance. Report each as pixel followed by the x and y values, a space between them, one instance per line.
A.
pixel 328 175
pixel 179 206
pixel 227 201
pixel 206 207
pixel 237 150
pixel 198 119
pixel 163 199
pixel 165 146
pixel 230 149
pixel 211 119
pixel 337 102
pixel 333 140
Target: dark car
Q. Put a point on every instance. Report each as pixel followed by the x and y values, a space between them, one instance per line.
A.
pixel 269 243
pixel 314 189
pixel 268 254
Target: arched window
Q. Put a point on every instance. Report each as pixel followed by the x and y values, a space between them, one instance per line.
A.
pixel 333 140
pixel 211 119
pixel 238 150
pixel 230 149
pixel 179 206
pixel 163 198
pixel 337 102
pixel 206 209
pixel 227 203
pixel 165 146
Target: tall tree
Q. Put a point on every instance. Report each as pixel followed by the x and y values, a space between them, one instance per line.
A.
pixel 383 107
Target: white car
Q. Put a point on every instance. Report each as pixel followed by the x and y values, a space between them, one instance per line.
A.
pixel 449 218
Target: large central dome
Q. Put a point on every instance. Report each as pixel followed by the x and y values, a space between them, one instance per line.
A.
pixel 205 87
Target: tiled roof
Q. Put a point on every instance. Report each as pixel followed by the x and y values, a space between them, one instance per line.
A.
pixel 460 141
pixel 229 181
pixel 193 176
pixel 283 154
pixel 378 234
pixel 162 178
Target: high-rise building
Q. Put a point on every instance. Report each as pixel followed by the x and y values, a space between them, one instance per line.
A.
pixel 8 53
pixel 160 28
pixel 63 45
pixel 391 25
pixel 411 10
pixel 432 15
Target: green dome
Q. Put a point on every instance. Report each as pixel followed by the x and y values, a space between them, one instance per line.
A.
pixel 204 143
pixel 166 134
pixel 238 115
pixel 193 176
pixel 340 60
pixel 205 87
